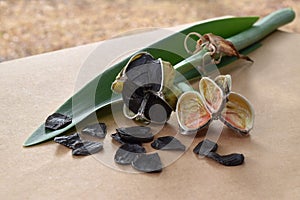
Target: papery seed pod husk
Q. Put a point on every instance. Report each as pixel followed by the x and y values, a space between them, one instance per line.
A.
pixel 238 113
pixel 212 93
pixel 192 113
pixel 147 88
pixel 224 82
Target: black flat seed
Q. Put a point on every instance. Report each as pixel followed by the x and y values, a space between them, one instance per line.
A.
pixel 128 153
pixel 117 137
pixel 88 148
pixel 227 160
pixel 96 130
pixel 71 141
pixel 149 163
pixel 135 134
pixel 57 121
pixel 167 143
pixel 204 147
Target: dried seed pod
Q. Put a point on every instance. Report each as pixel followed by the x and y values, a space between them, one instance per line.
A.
pixel 224 82
pixel 167 143
pixel 238 113
pixel 218 47
pixel 192 114
pixel 149 163
pixel 147 88
pixel 227 160
pixel 204 147
pixel 135 134
pixel 128 153
pixel 215 101
pixel 96 130
pixel 57 121
pixel 88 148
pixel 71 141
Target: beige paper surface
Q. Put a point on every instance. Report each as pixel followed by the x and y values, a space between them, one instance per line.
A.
pixel 34 87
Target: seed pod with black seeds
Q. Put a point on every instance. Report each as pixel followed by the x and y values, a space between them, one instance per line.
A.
pixel 147 88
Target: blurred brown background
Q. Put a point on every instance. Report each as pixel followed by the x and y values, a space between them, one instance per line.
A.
pixel 29 27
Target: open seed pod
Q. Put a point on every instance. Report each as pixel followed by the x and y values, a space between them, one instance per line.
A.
pixel 147 89
pixel 238 113
pixel 212 93
pixel 215 101
pixel 192 113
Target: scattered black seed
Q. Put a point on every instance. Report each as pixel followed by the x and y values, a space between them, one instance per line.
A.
pixel 71 141
pixel 167 143
pixel 96 130
pixel 149 163
pixel 135 134
pixel 128 153
pixel 88 148
pixel 117 137
pixel 227 160
pixel 57 121
pixel 204 147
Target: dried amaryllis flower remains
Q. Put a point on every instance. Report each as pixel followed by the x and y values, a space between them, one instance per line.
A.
pixel 147 88
pixel 195 110
pixel 216 46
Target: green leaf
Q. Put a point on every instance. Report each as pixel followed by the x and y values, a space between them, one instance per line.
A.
pixel 86 101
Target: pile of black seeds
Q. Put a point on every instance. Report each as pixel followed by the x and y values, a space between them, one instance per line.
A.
pixel 131 152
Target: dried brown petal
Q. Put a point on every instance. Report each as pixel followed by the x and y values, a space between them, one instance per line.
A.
pixel 223 46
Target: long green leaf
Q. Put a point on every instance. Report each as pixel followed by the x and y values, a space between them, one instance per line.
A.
pixel 86 101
